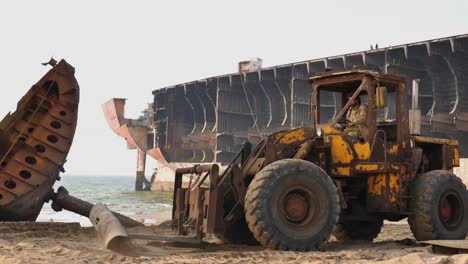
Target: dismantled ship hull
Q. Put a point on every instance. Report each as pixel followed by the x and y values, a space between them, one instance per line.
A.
pixel 35 141
pixel 209 120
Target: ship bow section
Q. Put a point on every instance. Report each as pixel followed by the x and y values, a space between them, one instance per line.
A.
pixel 35 141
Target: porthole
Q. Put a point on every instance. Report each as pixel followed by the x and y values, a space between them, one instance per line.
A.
pixel 55 124
pixel 10 184
pixel 30 160
pixel 40 148
pixel 52 138
pixel 25 174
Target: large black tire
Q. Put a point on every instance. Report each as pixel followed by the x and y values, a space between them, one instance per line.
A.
pixel 357 230
pixel 439 207
pixel 292 205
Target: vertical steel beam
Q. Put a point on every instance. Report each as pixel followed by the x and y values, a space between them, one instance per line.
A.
pixel 140 173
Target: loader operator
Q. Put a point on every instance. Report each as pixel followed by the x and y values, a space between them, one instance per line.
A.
pixel 357 115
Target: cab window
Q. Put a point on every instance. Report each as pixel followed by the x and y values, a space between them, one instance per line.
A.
pixel 387 116
pixel 333 98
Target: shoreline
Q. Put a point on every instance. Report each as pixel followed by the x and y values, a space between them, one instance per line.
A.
pixel 69 217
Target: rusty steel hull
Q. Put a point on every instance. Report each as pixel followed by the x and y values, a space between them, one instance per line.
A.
pixel 208 120
pixel 35 141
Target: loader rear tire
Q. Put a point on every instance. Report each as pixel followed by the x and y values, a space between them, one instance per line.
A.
pixel 357 230
pixel 292 205
pixel 439 207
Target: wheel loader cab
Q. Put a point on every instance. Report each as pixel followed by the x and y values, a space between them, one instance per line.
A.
pixel 386 125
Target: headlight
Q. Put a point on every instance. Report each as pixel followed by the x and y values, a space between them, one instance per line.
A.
pixel 319 132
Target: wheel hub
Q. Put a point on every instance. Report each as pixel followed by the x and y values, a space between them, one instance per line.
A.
pixel 296 207
pixel 446 210
pixel 450 210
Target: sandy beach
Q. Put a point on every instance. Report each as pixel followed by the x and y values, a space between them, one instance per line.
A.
pixel 71 243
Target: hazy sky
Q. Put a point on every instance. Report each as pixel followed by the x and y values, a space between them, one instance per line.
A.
pixel 130 48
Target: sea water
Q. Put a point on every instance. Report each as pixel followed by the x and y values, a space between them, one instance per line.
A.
pixel 117 192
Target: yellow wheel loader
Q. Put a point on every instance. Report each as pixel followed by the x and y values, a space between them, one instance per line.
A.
pixel 296 188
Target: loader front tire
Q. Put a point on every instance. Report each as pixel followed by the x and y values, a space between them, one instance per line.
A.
pixel 292 205
pixel 439 207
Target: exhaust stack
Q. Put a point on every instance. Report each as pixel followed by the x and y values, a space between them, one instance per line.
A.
pixel 415 112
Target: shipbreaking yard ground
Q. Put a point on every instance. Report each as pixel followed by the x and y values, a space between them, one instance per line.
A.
pixel 69 243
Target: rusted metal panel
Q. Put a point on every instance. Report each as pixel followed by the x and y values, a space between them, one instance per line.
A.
pixel 383 192
pixel 448 246
pixel 135 133
pixel 35 141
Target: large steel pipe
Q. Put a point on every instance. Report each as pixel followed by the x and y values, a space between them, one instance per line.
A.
pixel 62 200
